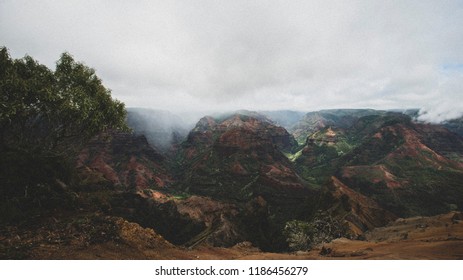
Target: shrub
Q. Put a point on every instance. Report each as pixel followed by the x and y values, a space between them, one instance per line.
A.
pixel 302 235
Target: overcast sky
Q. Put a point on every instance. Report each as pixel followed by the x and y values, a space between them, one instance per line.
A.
pixel 258 55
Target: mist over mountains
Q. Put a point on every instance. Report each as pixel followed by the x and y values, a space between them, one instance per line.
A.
pixel 301 56
pixel 231 129
pixel 244 177
pixel 161 128
pixel 164 129
pixel 272 181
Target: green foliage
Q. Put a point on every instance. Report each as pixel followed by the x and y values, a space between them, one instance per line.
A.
pixel 343 147
pixel 298 235
pixel 293 156
pixel 302 235
pixel 46 116
pixel 45 110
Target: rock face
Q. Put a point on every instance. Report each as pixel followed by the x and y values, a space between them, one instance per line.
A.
pixel 455 125
pixel 408 168
pixel 359 212
pixel 222 220
pixel 242 178
pixel 86 236
pixel 239 158
pixel 123 160
pixel 408 177
pixel 314 121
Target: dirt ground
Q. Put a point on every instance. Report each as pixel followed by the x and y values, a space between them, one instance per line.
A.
pixel 438 237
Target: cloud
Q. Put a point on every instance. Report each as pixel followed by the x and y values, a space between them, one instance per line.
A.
pixel 446 102
pixel 305 55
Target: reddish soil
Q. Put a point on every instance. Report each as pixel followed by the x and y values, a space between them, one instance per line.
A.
pixel 439 237
pixel 376 174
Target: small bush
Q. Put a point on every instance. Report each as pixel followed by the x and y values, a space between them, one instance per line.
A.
pixel 299 235
pixel 302 235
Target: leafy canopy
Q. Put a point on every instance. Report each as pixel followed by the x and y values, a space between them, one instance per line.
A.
pixel 42 109
pixel 46 116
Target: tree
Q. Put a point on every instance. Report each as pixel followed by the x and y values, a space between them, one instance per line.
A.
pixel 46 116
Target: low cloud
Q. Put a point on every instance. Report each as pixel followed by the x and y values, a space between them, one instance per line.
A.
pixel 447 100
pixel 226 55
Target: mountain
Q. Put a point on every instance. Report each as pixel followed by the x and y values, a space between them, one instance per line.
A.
pixel 341 118
pixel 241 180
pixel 455 125
pixel 408 168
pixel 233 157
pixel 364 168
pixel 405 175
pixel 230 171
pixel 123 161
pixel 239 159
pixel 359 212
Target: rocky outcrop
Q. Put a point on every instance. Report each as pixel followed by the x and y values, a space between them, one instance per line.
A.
pixel 358 211
pixel 122 160
pixel 239 158
pixel 236 183
pixel 408 168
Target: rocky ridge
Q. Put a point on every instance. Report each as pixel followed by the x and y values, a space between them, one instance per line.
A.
pixel 242 178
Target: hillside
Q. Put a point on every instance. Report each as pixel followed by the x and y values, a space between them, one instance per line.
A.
pixel 408 168
pixel 437 238
pixel 239 159
pixel 241 186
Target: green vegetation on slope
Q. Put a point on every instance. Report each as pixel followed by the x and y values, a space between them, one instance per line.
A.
pixel 45 117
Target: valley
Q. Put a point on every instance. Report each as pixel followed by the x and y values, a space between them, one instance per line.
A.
pixel 333 184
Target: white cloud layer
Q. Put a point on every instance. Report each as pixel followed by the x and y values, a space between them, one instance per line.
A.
pixel 222 55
